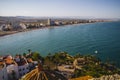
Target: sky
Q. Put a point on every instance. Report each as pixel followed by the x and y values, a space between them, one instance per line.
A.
pixel 61 8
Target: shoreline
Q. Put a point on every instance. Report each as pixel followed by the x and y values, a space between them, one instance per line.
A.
pixel 5 33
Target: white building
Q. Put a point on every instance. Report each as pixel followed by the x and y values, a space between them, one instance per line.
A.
pixel 3 71
pixel 23 66
pixel 49 22
pixel 12 71
pixel 5 27
pixel 2 27
pixel 12 68
pixel 23 69
pixel 23 26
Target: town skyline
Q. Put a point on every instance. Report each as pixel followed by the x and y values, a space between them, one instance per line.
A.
pixel 63 8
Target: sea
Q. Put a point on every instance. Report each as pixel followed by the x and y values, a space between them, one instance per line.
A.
pixel 101 39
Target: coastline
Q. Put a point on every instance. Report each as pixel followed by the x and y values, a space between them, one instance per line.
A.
pixel 5 33
pixel 13 40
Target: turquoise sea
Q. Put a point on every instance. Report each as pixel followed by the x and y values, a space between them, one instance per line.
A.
pixel 103 37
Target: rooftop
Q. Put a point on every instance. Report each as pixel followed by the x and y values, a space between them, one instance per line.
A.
pixel 29 60
pixel 20 60
pixel 40 74
pixel 1 64
pixel 9 60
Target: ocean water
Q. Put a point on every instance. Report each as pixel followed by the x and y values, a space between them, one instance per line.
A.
pixel 102 37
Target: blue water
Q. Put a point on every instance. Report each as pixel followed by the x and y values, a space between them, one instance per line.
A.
pixel 81 38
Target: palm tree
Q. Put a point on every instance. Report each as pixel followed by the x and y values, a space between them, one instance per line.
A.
pixel 29 50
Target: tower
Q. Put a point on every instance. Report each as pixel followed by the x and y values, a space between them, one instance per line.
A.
pixel 49 22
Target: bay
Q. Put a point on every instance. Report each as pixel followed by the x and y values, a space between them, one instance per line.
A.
pixel 102 37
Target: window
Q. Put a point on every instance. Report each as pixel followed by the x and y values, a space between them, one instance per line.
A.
pixel 27 68
pixel 3 77
pixel 19 69
pixel 20 74
pixel 23 73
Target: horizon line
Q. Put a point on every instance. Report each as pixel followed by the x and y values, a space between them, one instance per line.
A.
pixel 89 17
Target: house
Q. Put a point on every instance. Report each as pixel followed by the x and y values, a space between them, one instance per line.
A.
pixel 12 68
pixel 2 27
pixel 23 26
pixel 32 64
pixel 23 66
pixel 3 71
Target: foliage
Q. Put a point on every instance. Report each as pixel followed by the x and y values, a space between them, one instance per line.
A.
pixel 95 68
pixel 91 66
pixel 24 54
pixel 36 56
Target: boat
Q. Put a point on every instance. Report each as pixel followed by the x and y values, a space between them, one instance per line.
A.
pixel 96 51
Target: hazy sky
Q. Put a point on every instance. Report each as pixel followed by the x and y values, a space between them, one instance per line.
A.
pixel 61 8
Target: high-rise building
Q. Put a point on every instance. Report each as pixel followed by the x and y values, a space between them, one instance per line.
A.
pixel 49 22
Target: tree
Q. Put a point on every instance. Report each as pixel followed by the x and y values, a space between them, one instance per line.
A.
pixel 36 56
pixel 78 55
pixel 29 50
pixel 49 63
pixel 24 54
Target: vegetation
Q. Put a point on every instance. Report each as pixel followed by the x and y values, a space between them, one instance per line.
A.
pixel 90 65
pixel 95 68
